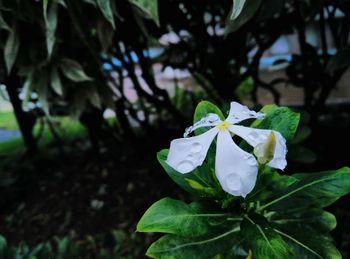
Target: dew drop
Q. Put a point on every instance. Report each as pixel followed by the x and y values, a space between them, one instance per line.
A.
pixel 251 161
pixel 196 147
pixel 253 135
pixel 262 137
pixel 185 166
pixel 233 182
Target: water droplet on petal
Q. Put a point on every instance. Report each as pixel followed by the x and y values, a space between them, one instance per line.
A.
pixel 262 137
pixel 196 147
pixel 188 131
pixel 251 161
pixel 185 166
pixel 233 182
pixel 253 135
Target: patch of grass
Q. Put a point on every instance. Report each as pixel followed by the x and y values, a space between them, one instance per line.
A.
pixel 66 128
pixel 8 120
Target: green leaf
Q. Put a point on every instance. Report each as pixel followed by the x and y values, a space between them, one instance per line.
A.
pixel 309 219
pixel 73 70
pixel 262 240
pixel 106 9
pixel 63 3
pixel 268 183
pixel 56 83
pixel 149 7
pixel 242 16
pixel 312 189
pixel 306 243
pixel 281 119
pixel 208 246
pixel 201 181
pixel 11 49
pixel 176 217
pixel 50 17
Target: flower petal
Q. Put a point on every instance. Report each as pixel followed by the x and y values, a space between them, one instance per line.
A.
pixel 239 112
pixel 255 137
pixel 235 169
pixel 185 154
pixel 210 120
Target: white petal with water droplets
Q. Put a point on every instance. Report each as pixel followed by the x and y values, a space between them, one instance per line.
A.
pixel 210 120
pixel 239 112
pixel 255 137
pixel 235 169
pixel 185 154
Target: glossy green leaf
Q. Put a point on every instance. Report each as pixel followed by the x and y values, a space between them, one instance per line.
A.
pixel 306 243
pixel 242 16
pixel 73 70
pixel 11 49
pixel 106 9
pixel 309 219
pixel 201 181
pixel 56 83
pixel 262 240
pixel 149 7
pixel 312 189
pixel 208 246
pixel 268 183
pixel 281 119
pixel 176 217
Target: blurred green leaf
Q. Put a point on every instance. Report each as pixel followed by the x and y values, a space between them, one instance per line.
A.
pixel 55 81
pixel 237 8
pixel 50 17
pixel 11 49
pixel 106 9
pixel 149 7
pixel 73 70
pixel 3 24
pixel 249 8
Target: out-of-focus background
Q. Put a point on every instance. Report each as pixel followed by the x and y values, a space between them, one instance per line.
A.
pixel 90 90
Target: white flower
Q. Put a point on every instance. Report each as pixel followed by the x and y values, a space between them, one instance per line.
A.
pixel 235 168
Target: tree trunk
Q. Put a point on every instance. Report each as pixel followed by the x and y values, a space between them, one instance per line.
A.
pixel 26 121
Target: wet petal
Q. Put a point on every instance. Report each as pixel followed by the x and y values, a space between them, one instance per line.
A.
pixel 256 137
pixel 235 169
pixel 185 154
pixel 210 120
pixel 239 112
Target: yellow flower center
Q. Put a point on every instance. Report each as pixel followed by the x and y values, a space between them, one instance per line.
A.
pixel 224 125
